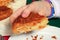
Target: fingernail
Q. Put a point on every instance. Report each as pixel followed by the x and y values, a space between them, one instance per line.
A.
pixel 25 14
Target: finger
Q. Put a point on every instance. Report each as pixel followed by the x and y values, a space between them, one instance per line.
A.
pixel 40 13
pixel 27 11
pixel 16 14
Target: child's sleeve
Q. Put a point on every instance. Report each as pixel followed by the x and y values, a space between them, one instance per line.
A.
pixel 56 4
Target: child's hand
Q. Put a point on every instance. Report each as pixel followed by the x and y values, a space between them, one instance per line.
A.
pixel 40 7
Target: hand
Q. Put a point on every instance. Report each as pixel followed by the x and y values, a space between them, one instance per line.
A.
pixel 40 7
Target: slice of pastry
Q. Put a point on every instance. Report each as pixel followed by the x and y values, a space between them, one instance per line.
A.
pixel 5 2
pixel 33 22
pixel 5 12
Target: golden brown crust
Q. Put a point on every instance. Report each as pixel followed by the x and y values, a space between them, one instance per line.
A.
pixel 33 22
pixel 5 12
pixel 5 2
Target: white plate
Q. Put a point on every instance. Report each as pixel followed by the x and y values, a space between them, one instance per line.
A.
pixel 47 34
